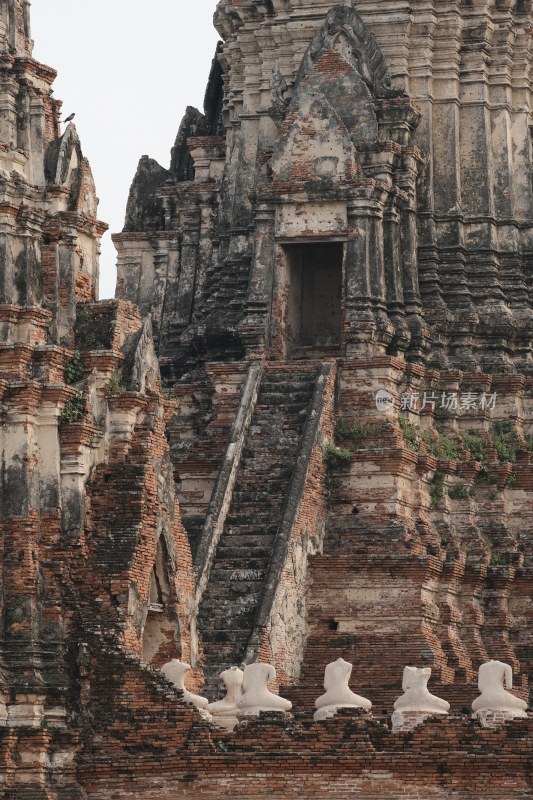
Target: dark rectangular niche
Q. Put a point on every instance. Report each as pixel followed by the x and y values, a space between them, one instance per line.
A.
pixel 314 301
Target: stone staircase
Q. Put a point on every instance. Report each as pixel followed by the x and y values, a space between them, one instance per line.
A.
pixel 230 601
pixel 198 437
pixel 226 289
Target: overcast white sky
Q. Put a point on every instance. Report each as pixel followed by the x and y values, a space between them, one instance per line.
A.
pixel 128 69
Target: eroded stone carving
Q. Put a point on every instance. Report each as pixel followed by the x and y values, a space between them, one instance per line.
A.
pixel 175 672
pixel 416 703
pixel 496 704
pixel 366 55
pixel 278 90
pixel 338 694
pixel 225 711
pixel 256 696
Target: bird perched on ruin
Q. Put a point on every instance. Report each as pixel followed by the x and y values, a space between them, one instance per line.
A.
pixel 70 118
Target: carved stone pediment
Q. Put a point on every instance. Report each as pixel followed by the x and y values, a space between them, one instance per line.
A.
pixel 334 105
pixel 360 48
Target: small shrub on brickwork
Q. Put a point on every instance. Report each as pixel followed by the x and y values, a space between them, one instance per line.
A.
pixel 115 385
pixel 477 446
pixel 461 492
pixel 510 480
pixel 438 445
pixel 94 328
pixel 506 441
pixel 84 314
pixel 352 431
pixel 74 409
pixel 484 479
pixel 499 559
pixel 335 456
pixel 410 434
pixel 442 446
pixel 436 490
pixel 74 369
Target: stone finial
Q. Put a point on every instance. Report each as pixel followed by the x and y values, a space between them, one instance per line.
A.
pixel 175 671
pixel 338 694
pixel 225 711
pixel 416 704
pixel 256 696
pixel 496 705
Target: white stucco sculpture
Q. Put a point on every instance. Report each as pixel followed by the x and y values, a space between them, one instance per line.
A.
pixel 416 700
pixel 175 672
pixel 338 694
pixel 494 678
pixel 225 711
pixel 256 696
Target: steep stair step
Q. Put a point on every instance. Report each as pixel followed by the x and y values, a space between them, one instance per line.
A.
pixel 237 577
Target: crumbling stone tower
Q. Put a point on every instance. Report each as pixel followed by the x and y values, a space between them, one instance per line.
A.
pixel 408 146
pixel 49 251
pixel 354 205
pixel 82 430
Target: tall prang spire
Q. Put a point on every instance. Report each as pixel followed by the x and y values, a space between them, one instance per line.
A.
pixel 50 238
pixel 15 32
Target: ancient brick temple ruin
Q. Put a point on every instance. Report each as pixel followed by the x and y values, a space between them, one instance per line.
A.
pixel 302 431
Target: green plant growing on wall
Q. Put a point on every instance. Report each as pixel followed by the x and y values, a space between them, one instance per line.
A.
pixel 506 441
pixel 335 456
pixel 442 447
pixel 499 559
pixel 410 434
pixel 438 444
pixel 484 479
pixel 458 492
pixel 461 492
pixel 73 371
pixel 74 409
pixel 477 446
pixel 94 328
pixel 436 490
pixel 510 480
pixel 353 431
pixel 115 385
pixel 84 314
